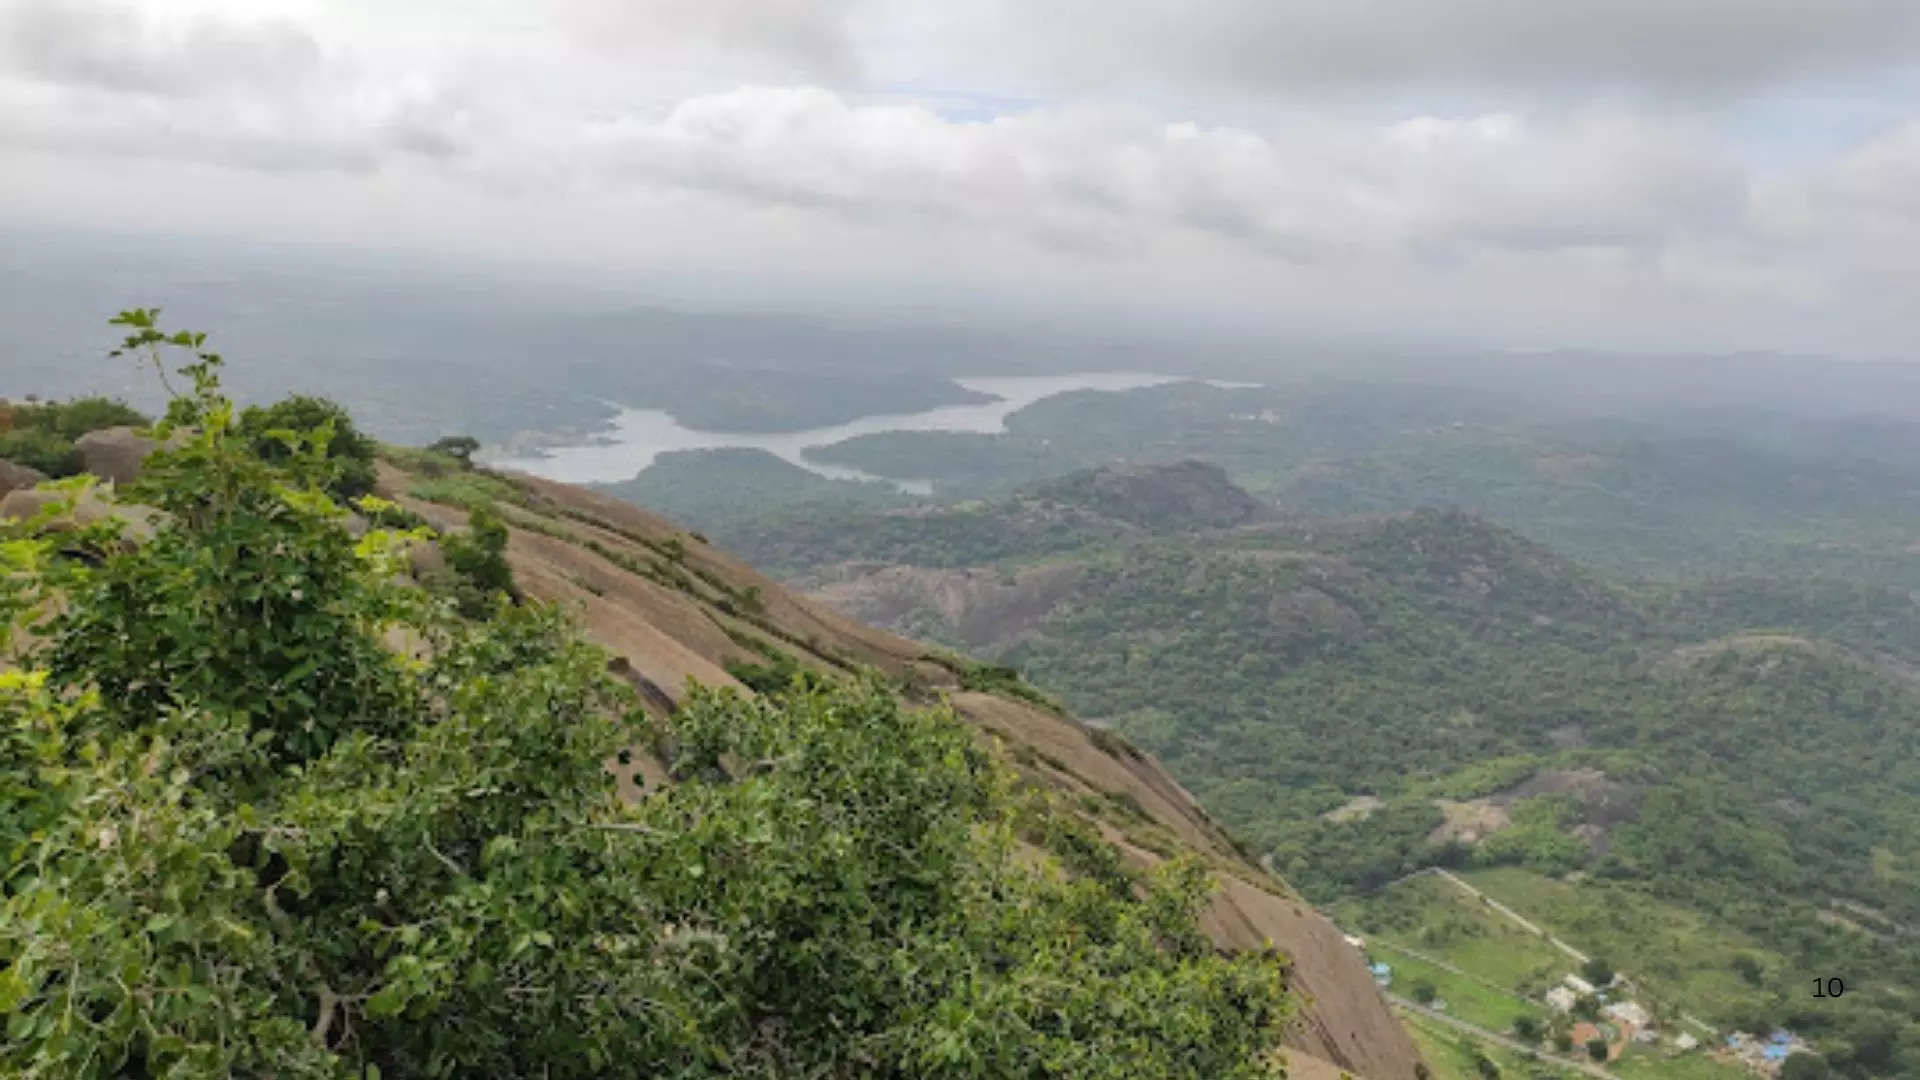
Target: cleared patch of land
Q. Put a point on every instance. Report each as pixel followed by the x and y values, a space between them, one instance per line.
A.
pixel 1675 955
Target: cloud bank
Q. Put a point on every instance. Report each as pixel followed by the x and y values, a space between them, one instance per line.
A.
pixel 1614 184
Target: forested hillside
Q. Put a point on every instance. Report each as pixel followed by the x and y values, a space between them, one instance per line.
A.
pixel 1659 492
pixel 473 775
pixel 1364 696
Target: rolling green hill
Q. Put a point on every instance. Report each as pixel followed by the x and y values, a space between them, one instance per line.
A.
pixel 1362 696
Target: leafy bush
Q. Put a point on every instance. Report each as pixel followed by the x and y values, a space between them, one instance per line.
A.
pixel 1004 680
pixel 1598 971
pixel 478 558
pixel 349 454
pixel 40 449
pixel 72 419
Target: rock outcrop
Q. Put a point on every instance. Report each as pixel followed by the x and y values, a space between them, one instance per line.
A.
pixel 88 508
pixel 14 477
pixel 1183 495
pixel 114 453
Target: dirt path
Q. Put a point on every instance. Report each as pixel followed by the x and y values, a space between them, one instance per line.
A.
pixel 1507 1041
pixel 1518 919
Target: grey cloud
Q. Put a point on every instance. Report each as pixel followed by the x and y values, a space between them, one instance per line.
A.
pixel 1687 46
pixel 107 79
pixel 1100 180
pixel 117 47
pixel 784 39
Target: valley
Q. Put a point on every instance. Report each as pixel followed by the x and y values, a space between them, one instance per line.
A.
pixel 1697 754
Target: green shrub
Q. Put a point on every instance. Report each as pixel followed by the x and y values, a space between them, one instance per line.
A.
pixel 478 558
pixel 40 449
pixel 349 454
pixel 72 419
pixel 82 415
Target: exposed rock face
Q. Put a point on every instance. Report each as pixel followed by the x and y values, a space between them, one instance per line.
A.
pixel 1183 495
pixel 25 503
pixel 979 607
pixel 115 453
pixel 14 477
pixel 425 559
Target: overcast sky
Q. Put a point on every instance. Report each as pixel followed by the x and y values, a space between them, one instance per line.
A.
pixel 1629 173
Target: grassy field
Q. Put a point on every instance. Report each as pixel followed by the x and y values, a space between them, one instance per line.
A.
pixel 1675 955
pixel 1641 1064
pixel 1453 1055
pixel 1678 957
pixel 1466 998
pixel 1435 917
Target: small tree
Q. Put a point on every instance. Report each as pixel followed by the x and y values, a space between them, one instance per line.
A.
pixel 479 557
pixel 1423 992
pixel 1747 966
pixel 1597 1048
pixel 1805 1066
pixel 1485 1067
pixel 1598 971
pixel 1586 1007
pixel 459 447
pixel 1527 1028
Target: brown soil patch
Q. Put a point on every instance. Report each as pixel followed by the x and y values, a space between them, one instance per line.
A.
pixel 1469 822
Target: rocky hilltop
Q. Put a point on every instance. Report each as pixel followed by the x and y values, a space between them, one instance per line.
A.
pixel 1183 495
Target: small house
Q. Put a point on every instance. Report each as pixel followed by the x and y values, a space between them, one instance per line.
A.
pixel 1561 999
pixel 1629 1012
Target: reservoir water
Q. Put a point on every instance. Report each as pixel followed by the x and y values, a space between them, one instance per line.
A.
pixel 637 436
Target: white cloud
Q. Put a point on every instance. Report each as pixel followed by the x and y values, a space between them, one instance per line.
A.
pixel 1595 214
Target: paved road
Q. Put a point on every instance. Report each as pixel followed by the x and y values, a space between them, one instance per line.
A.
pixel 1507 1041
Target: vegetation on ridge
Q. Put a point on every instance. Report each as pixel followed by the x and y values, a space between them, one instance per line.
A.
pixel 245 832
